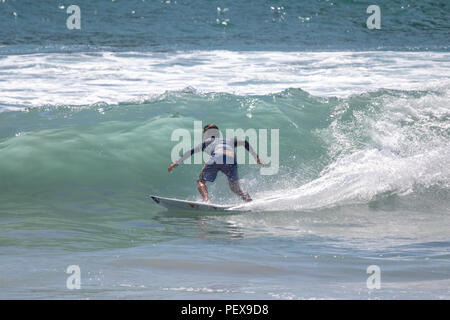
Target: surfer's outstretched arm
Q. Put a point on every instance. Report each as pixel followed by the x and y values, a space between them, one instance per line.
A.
pixel 187 154
pixel 249 148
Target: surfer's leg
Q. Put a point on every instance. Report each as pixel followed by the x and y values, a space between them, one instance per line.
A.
pixel 236 188
pixel 231 171
pixel 201 185
pixel 208 173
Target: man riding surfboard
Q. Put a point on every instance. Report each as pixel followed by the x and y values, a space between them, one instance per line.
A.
pixel 222 158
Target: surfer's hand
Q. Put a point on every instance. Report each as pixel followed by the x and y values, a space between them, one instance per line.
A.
pixel 173 165
pixel 259 161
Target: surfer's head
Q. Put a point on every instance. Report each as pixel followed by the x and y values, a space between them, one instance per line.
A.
pixel 210 131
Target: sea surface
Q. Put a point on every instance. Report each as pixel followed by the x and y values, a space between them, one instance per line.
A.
pixel 86 123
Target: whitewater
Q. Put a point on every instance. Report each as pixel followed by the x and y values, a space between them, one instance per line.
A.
pixel 112 77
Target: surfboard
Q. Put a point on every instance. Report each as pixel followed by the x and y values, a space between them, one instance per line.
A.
pixel 177 204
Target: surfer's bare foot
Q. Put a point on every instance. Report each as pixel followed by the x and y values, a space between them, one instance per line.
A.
pixel 246 197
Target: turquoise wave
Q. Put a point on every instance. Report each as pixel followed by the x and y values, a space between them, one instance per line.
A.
pixel 100 149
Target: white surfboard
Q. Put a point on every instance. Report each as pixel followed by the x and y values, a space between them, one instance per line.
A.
pixel 176 204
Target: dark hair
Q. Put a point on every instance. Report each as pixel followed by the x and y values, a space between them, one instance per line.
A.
pixel 209 126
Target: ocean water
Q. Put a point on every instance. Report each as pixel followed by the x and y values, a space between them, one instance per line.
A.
pixel 87 116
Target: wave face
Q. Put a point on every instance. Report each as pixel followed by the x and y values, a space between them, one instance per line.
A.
pixel 231 25
pixel 333 151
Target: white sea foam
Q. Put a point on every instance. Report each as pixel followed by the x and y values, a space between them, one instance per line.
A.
pixel 87 78
pixel 406 147
pixel 359 178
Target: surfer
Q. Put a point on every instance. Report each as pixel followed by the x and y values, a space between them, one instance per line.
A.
pixel 222 158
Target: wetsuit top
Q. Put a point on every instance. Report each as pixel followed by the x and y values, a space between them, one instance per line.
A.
pixel 220 150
